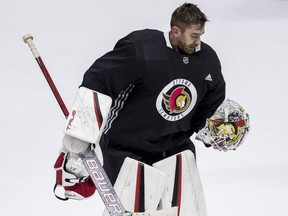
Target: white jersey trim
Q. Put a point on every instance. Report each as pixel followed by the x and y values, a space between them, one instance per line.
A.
pixel 118 105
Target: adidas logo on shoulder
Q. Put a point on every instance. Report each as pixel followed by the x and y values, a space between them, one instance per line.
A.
pixel 208 77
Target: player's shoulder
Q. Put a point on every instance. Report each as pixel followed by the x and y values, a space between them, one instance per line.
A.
pixel 209 55
pixel 206 48
pixel 149 44
pixel 146 34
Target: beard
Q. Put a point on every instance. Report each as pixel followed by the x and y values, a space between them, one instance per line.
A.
pixel 183 48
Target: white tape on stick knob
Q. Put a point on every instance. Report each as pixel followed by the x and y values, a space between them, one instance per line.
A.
pixel 28 38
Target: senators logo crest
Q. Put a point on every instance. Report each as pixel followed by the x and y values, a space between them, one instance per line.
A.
pixel 176 100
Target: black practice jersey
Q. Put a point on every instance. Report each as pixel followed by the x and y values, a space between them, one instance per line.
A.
pixel 160 97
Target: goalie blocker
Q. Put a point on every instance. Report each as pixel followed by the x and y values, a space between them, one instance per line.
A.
pixel 84 126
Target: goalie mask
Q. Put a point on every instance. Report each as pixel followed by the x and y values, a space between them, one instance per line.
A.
pixel 227 128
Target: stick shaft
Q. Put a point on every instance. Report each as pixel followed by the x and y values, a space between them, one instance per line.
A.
pixel 29 40
pixel 52 86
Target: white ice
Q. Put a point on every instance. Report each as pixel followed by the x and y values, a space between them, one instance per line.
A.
pixel 251 39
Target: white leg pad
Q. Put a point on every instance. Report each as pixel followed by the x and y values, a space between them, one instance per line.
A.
pixel 184 186
pixel 165 212
pixel 139 186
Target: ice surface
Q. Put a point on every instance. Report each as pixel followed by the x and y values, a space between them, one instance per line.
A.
pixel 251 39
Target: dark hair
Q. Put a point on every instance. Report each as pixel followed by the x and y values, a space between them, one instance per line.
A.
pixel 187 14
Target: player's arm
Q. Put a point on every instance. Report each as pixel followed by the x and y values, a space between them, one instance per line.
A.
pixel 208 105
pixel 105 79
pixel 115 70
pixel 83 127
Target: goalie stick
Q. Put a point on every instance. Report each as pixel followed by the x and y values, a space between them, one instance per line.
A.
pixel 28 38
pixel 90 159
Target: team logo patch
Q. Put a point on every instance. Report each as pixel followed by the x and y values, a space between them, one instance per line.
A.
pixel 176 100
pixel 185 60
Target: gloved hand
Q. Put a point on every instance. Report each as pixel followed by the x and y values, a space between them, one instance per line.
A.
pixel 227 128
pixel 72 176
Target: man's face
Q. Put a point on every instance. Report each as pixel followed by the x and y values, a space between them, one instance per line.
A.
pixel 189 39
